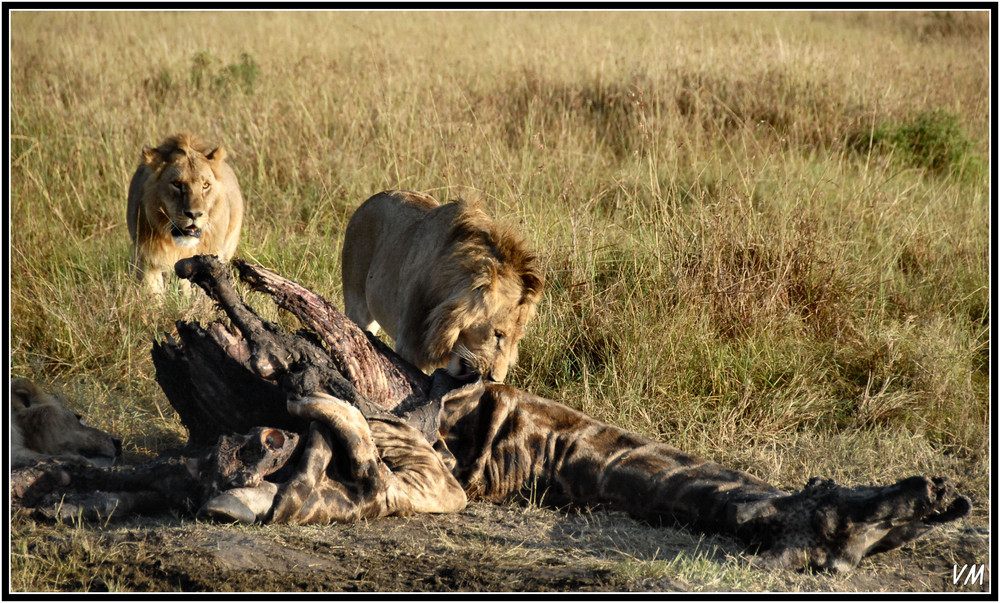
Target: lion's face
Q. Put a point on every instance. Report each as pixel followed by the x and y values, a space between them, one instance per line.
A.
pixel 187 191
pixel 45 426
pixel 57 431
pixel 489 347
pixel 492 324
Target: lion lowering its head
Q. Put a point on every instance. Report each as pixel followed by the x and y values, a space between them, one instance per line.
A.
pixel 450 286
pixel 184 200
pixel 42 428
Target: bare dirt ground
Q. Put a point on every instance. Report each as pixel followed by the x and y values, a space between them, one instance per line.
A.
pixel 522 548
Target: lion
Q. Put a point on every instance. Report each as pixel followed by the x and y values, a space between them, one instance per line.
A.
pixel 449 285
pixel 43 429
pixel 183 200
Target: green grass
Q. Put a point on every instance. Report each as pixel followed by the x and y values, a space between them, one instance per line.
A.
pixel 756 229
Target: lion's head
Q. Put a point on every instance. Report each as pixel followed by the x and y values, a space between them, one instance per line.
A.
pixel 183 200
pixel 184 186
pixel 43 428
pixel 495 285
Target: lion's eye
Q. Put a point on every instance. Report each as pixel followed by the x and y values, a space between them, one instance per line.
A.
pixel 499 335
pixel 177 184
pixel 206 186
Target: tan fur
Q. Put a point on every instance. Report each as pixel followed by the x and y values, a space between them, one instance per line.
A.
pixel 42 428
pixel 450 286
pixel 181 188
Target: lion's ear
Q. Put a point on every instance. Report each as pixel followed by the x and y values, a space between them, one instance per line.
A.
pixel 24 392
pixel 216 155
pixel 532 282
pixel 485 278
pixel 151 157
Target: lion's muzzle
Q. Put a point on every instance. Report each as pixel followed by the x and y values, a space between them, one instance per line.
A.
pixel 191 231
pixel 465 368
pixel 188 236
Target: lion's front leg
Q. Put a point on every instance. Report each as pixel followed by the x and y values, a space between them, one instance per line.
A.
pixel 150 276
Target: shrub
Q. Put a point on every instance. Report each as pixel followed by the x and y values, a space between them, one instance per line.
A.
pixel 241 75
pixel 933 140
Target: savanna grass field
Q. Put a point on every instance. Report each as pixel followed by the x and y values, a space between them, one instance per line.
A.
pixel 765 238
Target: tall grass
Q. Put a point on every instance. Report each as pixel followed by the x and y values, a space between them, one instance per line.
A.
pixel 753 226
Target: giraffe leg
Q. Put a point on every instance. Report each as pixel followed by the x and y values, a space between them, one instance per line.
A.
pixel 831 527
pixel 316 493
pixel 507 443
pixel 354 469
pixel 418 480
pixel 348 426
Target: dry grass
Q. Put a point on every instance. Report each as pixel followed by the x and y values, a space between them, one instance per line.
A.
pixel 757 229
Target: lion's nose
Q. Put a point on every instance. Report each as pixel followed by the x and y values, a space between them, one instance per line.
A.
pixel 118 446
pixel 194 215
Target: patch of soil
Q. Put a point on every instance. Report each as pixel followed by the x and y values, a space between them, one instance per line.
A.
pixel 486 547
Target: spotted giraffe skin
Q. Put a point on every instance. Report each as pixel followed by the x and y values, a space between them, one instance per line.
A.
pixel 350 469
pixel 497 443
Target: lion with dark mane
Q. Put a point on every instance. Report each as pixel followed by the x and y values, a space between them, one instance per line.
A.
pixel 453 288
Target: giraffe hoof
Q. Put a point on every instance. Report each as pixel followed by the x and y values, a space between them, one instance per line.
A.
pixel 226 508
pixel 241 505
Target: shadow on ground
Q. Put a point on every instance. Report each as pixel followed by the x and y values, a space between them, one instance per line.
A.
pixel 484 548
